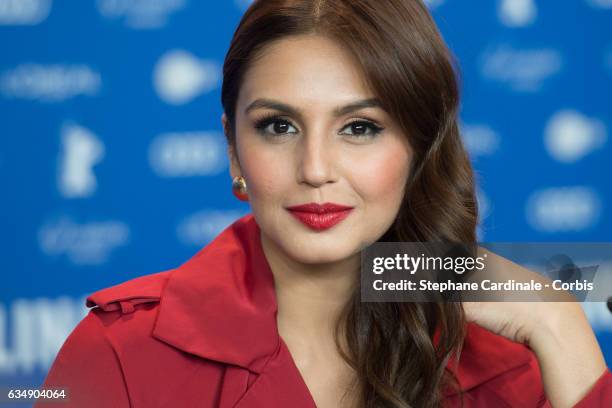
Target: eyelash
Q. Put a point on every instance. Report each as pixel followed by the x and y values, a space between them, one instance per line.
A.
pixel 262 123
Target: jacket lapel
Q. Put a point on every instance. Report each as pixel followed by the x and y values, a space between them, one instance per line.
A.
pixel 221 305
pixel 279 386
pixel 484 356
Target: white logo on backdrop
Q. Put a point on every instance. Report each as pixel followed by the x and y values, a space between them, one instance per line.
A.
pixel 563 209
pixel 200 228
pixel 140 14
pixel 243 4
pixel 38 328
pixel 89 243
pixel 480 140
pixel 432 4
pixel 598 314
pixel 484 204
pixel 521 70
pixel 188 154
pixel 49 83
pixel 81 151
pixel 484 208
pixel 24 12
pixel 569 135
pixel 517 13
pixel 600 3
pixel 179 77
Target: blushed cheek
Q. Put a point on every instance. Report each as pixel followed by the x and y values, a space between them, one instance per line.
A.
pixel 383 178
pixel 267 174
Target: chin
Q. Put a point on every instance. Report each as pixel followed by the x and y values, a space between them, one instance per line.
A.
pixel 319 254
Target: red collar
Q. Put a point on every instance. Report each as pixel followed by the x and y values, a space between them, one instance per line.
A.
pixel 486 355
pixel 221 305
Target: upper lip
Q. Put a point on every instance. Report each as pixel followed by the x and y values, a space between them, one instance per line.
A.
pixel 319 208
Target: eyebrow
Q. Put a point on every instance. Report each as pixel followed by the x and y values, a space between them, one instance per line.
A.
pixel 290 110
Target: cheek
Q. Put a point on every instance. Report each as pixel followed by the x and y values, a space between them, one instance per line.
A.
pixel 382 175
pixel 267 176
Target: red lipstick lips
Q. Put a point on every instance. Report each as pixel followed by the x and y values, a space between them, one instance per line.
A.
pixel 320 216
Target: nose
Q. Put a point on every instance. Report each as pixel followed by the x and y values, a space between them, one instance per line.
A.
pixel 316 161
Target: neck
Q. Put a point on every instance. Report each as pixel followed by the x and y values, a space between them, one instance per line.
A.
pixel 310 297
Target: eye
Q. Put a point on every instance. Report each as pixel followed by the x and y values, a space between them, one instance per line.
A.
pixel 274 125
pixel 360 128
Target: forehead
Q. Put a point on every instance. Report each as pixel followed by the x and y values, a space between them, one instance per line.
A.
pixel 305 68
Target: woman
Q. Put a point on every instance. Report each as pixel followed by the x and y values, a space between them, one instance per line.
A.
pixel 341 120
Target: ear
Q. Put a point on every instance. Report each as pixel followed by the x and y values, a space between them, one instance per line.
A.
pixel 234 163
pixel 225 124
pixel 231 152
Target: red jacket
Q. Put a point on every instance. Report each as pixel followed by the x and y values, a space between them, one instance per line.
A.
pixel 205 335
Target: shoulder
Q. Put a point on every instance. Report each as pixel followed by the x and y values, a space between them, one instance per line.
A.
pixel 119 321
pixel 125 313
pixel 121 317
pixel 126 295
pixel 495 369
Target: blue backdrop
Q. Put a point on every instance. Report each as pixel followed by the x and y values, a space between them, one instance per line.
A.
pixel 113 162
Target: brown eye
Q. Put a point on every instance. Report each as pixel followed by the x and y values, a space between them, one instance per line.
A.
pixel 359 128
pixel 274 126
pixel 280 126
pixel 362 128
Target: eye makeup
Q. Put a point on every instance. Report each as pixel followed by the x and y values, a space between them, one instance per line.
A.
pixel 266 120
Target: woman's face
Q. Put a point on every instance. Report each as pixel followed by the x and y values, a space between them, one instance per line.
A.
pixel 296 145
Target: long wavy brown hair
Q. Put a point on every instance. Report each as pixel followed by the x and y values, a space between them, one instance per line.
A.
pixel 408 66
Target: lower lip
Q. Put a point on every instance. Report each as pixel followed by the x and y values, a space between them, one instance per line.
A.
pixel 320 222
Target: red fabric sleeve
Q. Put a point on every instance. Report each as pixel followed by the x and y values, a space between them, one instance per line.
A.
pixel 600 394
pixel 88 367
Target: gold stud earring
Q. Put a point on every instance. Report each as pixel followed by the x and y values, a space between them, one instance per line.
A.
pixel 239 188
